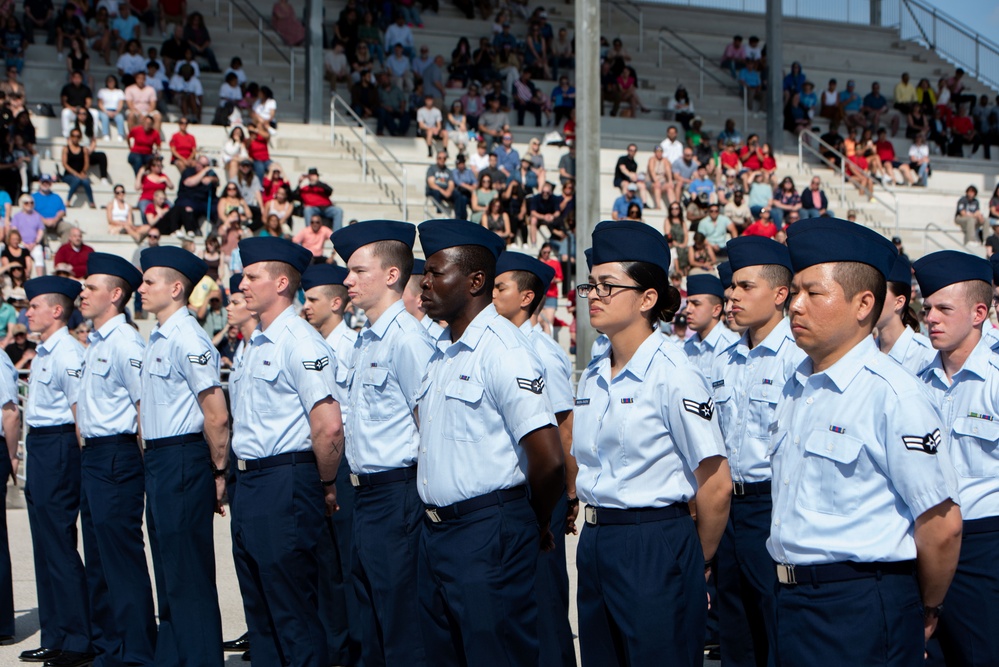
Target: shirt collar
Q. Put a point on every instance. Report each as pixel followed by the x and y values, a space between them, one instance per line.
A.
pixel 107 329
pixel 714 337
pixel 639 363
pixel 476 328
pixel 275 328
pixel 379 327
pixel 772 342
pixel 172 322
pixel 53 341
pixel 842 372
pixel 978 361
pixel 526 328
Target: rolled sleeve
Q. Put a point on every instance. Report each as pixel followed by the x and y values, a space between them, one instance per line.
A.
pixel 515 382
pixel 198 376
pixel 312 380
pixel 129 366
pixel 412 358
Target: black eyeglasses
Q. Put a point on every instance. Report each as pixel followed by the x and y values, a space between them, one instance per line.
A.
pixel 119 192
pixel 153 236
pixel 603 290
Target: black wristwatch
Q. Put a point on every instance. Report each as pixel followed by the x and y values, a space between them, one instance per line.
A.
pixel 328 482
pixel 933 612
pixel 219 472
pixel 573 502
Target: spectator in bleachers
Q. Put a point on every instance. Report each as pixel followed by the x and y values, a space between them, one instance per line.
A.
pixel 659 176
pixel 494 123
pixel 504 37
pixel 75 165
pixel 119 212
pixel 68 25
pixel 980 116
pixel 684 170
pixel 14 42
pixel 479 160
pixel 281 206
pixel 233 213
pixel 796 118
pixel 74 252
pixel 22 350
pixel 734 57
pixel 809 100
pixel 750 79
pixel 994 207
pixel 456 124
pixel 627 92
pixel 174 47
pixel 286 23
pixel 760 194
pixel 875 106
pixel 917 123
pixel 525 176
pixel 336 69
pixel 399 68
pixel 992 241
pixel 737 211
pixel 315 197
pixel 905 95
pixel 75 95
pixel 562 52
pixel 702 259
pixel 188 92
pixel 194 197
pixel 393 110
pixel 369 33
pixel 527 98
pixel 52 208
pixel 515 205
pixel 131 61
pixel 958 91
pixel 460 67
pixel 563 99
pixel 430 125
pixel 140 99
pixel 919 159
pixel 31 226
pixel 421 62
pixel 969 216
pixel 850 104
pixel 962 131
pixel 15 252
pixel 765 226
pixel 159 83
pixel 714 226
pixel 620 208
pixel 111 107
pixel 153 214
pixel 124 28
pixel 702 185
pixel 97 159
pixel 39 15
pixel 465 179
pixel 508 66
pixel 273 227
pixel 434 79
pixel 497 220
pixel 508 159
pixel 172 11
pixel 442 189
pixel 499 176
pixel 143 142
pixel 794 81
pixel 677 235
pixel 480 197
pixel 183 146
pixel 258 148
pixel 886 154
pixel 233 150
pixel 785 200
pixel 672 145
pixel 533 153
pixel 829 104
pixel 98 33
pixel 814 203
pixel 483 59
pixel 536 55
pixel 634 212
pixel 197 36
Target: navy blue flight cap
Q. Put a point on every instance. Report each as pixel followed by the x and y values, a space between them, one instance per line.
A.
pixel 323 274
pixel 418 266
pixel 186 263
pixel 725 274
pixel 994 260
pixel 946 267
pixel 588 253
pixel 756 251
pixel 821 240
pixel 901 271
pixel 113 265
pixel 705 283
pixel 437 235
pixel 234 282
pixel 274 249
pixel 629 241
pixel 518 261
pixel 52 285
pixel 347 240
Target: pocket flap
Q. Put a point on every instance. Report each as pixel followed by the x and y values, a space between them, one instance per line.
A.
pixel 833 446
pixel 101 367
pixel 764 392
pixel 159 368
pixel 463 390
pixel 267 372
pixel 977 428
pixel 375 376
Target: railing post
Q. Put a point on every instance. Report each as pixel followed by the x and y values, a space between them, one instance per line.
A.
pixel 291 73
pixel 216 8
pixel 978 47
pixel 660 60
pixel 260 41
pixel 364 152
pixel 405 195
pixel 801 160
pixel 700 83
pixel 745 111
pixel 641 31
pixel 230 15
pixel 934 31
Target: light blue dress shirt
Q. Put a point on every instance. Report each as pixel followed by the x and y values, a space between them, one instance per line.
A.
pixel 556 366
pixel 8 380
pixel 285 371
pixel 702 353
pixel 180 362
pixel 913 350
pixel 390 359
pixel 341 340
pixel 851 473
pixel 639 436
pixel 54 383
pixel 969 404
pixel 746 384
pixel 482 394
pixel 991 334
pixel 111 380
pixel 435 330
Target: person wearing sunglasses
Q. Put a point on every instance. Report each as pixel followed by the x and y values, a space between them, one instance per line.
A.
pixel 119 212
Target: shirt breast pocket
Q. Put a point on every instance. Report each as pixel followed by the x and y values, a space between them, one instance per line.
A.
pixel 830 461
pixel 102 369
pixel 159 370
pixel 43 375
pixel 378 404
pixel 762 401
pixel 461 401
pixel 261 391
pixel 977 439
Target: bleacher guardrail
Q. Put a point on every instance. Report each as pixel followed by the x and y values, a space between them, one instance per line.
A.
pixel 630 10
pixel 262 24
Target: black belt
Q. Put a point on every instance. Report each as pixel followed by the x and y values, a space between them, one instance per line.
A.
pixel 460 509
pixel 158 443
pixel 119 439
pixel 606 516
pixel 846 571
pixel 989 524
pixel 384 477
pixel 53 430
pixel 287 459
pixel 740 489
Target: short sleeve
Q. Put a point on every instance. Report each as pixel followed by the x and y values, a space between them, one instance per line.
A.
pixel 515 381
pixel 311 367
pixel 689 412
pixel 412 358
pixel 198 361
pixel 558 374
pixel 70 372
pixel 129 367
pixel 8 380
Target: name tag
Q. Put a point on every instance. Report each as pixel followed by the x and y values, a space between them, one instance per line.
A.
pixel 717 383
pixel 582 401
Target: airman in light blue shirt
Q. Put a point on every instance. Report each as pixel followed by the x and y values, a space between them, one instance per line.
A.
pixel 898 328
pixel 111 384
pixel 705 306
pixel 9 464
pixel 54 383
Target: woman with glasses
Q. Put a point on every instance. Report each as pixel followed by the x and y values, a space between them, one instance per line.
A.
pixel 148 181
pixel 75 163
pixel 551 297
pixel 647 444
pixel 233 214
pixel 482 196
pixel 119 212
pixel 29 223
pixel 82 334
pixel 87 126
pixel 533 154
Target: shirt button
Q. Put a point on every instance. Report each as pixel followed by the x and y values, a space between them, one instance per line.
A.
pixel 829 448
pixel 797 441
pixel 786 480
pixel 950 398
pixel 449 361
pixel 777 522
pixel 425 451
pixel 809 401
pixel 424 482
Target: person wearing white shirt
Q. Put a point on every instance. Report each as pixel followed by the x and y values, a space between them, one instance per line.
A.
pixel 672 145
pixel 919 158
pixel 236 67
pixel 130 63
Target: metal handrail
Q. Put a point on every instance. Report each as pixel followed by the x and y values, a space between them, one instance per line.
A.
pixel 702 58
pixel 395 172
pixel 951 234
pixel 804 144
pixel 251 13
pixel 699 64
pixel 632 11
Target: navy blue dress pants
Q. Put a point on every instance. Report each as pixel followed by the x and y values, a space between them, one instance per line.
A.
pixel 340 612
pixel 554 631
pixel 6 574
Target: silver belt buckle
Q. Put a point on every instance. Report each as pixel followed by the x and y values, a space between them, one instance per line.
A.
pixel 590 515
pixel 355 481
pixel 240 464
pixel 433 516
pixel 785 574
pixel 738 488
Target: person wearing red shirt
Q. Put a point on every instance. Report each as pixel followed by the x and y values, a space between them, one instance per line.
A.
pixel 962 130
pixel 752 159
pixel 182 147
pixel 886 153
pixel 762 227
pixel 143 142
pixel 257 149
pixel 75 253
pixel 272 183
pixel 315 198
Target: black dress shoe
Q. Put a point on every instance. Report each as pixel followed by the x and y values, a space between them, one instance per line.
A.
pixel 70 659
pixel 246 657
pixel 39 655
pixel 241 644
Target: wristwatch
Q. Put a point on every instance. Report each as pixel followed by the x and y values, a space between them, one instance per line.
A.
pixel 327 482
pixel 932 612
pixel 573 502
pixel 219 472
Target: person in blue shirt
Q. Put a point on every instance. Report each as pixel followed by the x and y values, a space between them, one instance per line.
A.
pixel 702 184
pixel 647 444
pixel 390 359
pixel 288 439
pixel 747 380
pixel 866 528
pixel 487 435
pixel 850 103
pixel 52 208
pixel 185 431
pixel 964 380
pixel 519 295
pixel 113 481
pixel 705 306
pixel 325 301
pixel 507 157
pixel 10 421
pixel 898 327
pixel 52 491
pixel 621 204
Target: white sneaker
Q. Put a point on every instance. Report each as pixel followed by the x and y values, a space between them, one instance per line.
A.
pixel 119 138
pixel 105 181
pixel 107 137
